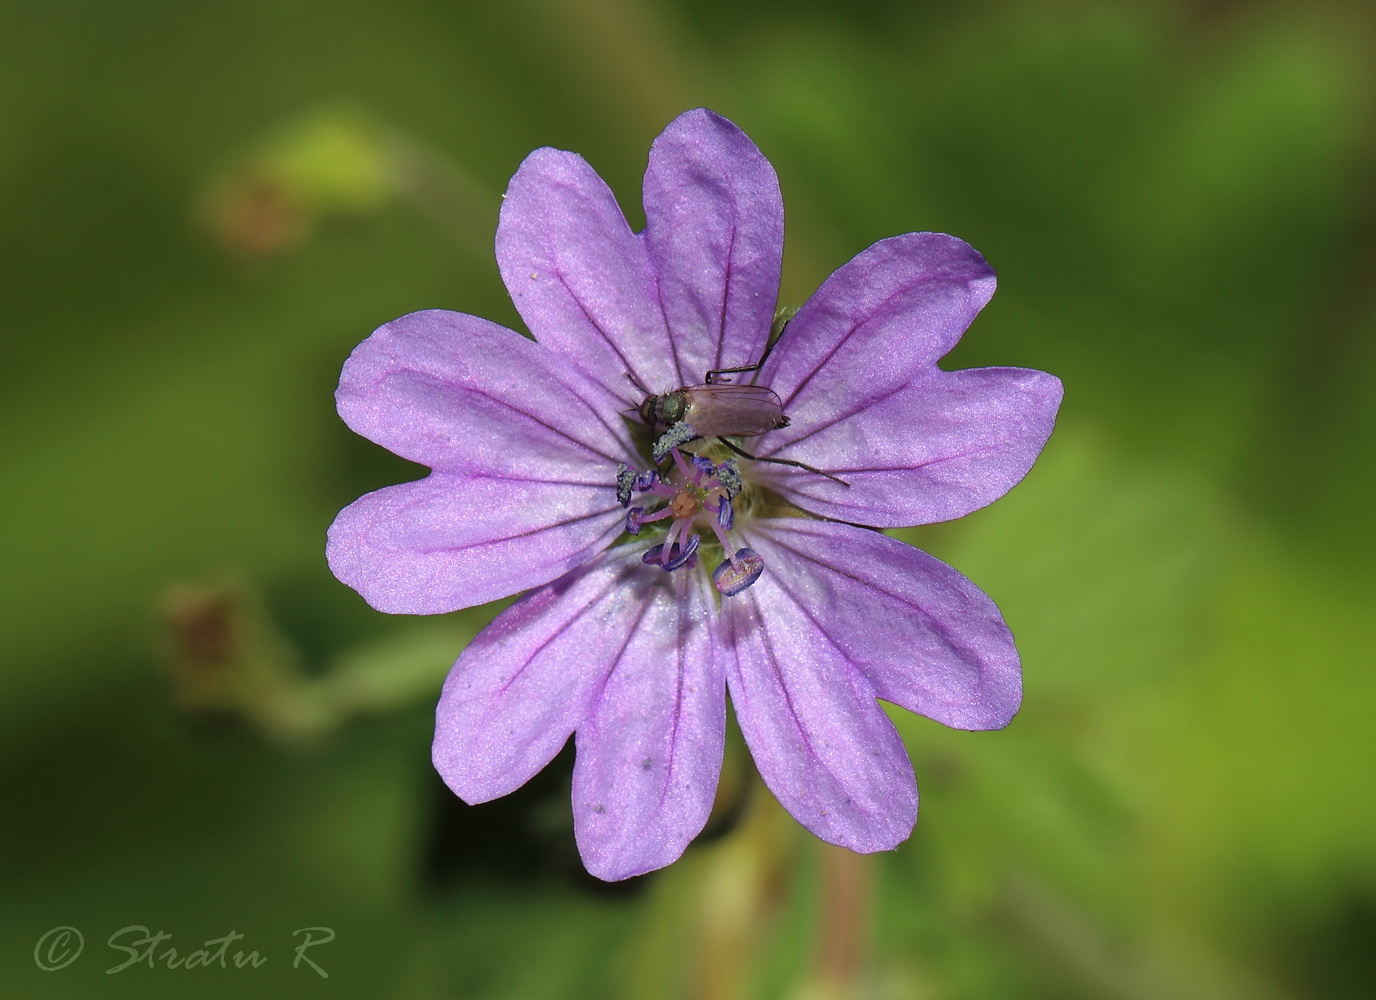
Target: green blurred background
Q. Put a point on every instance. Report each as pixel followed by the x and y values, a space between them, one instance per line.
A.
pixel 204 207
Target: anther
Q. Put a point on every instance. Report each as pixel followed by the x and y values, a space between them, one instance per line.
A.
pixel 679 434
pixel 738 572
pixel 625 481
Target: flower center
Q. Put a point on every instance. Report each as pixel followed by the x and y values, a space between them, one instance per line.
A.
pixel 687 502
pixel 696 493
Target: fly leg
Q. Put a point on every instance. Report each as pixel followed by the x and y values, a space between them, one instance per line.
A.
pixel 712 380
pixel 782 461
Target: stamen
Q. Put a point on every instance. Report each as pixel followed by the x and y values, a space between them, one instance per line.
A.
pixel 730 477
pixel 726 545
pixel 679 434
pixel 685 557
pixel 734 575
pixel 685 553
pixel 625 480
pixel 683 466
pixel 678 535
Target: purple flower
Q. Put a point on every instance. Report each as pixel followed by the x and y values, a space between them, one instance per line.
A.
pixel 656 587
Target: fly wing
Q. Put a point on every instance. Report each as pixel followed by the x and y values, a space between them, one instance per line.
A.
pixel 733 410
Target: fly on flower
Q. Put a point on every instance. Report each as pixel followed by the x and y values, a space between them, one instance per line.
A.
pixel 715 409
pixel 746 573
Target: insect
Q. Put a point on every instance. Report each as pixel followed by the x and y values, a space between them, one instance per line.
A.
pixel 718 408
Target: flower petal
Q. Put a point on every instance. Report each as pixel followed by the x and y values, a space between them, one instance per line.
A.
pixel 448 542
pixel 879 321
pixel 650 755
pixel 715 232
pixel 579 277
pixel 463 395
pixel 820 740
pixel 930 451
pixel 532 676
pixel 927 638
